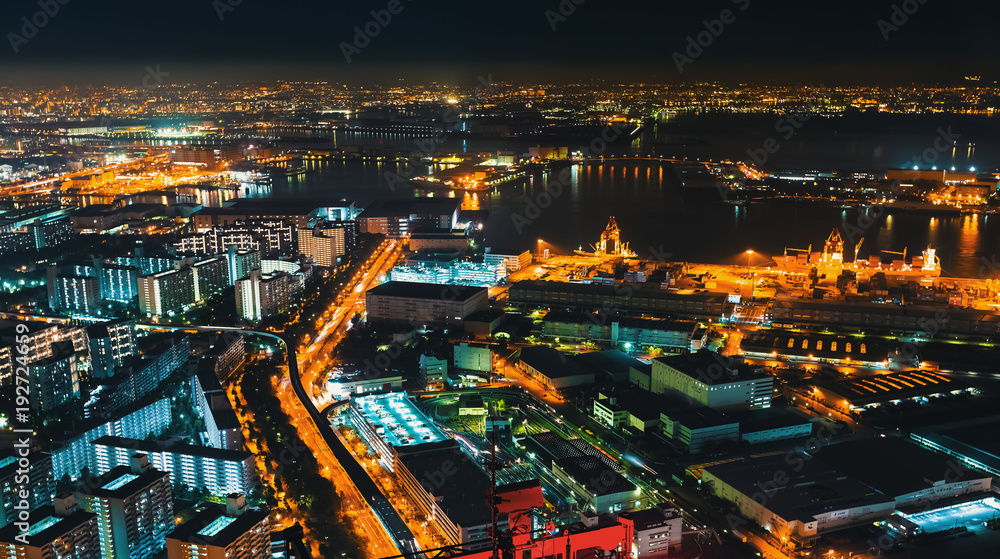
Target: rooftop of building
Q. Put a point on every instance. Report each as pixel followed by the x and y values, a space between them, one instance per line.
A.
pixel 903 467
pixel 403 423
pixel 462 494
pixel 612 362
pixel 213 526
pixel 977 444
pixel 45 526
pixel 551 362
pixel 660 324
pixel 121 482
pixel 767 419
pixel 886 309
pixel 430 291
pixel 863 391
pixel 552 447
pixel 702 417
pixel 595 475
pixel 409 206
pixel 506 251
pixel 615 291
pixel 711 368
pixel 812 486
pixel 174 447
pixel 655 517
pixel 820 346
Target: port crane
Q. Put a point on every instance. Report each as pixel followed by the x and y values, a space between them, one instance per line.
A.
pixel 857 249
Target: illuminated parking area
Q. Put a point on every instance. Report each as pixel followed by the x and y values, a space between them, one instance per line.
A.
pixel 962 514
pixel 396 420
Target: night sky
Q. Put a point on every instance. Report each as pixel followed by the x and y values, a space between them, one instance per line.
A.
pixel 771 40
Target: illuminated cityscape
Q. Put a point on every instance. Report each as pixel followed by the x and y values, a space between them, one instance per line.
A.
pixel 565 280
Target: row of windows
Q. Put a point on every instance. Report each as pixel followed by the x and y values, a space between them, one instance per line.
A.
pixel 819 345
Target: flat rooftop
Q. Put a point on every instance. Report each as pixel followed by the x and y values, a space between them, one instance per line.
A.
pixel 903 467
pixel 213 524
pixel 432 291
pixel 461 496
pixel 551 362
pixel 702 364
pixel 397 420
pixel 894 386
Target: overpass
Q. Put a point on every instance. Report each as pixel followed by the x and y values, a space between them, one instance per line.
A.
pixel 380 505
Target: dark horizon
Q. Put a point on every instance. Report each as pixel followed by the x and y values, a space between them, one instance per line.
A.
pixel 783 41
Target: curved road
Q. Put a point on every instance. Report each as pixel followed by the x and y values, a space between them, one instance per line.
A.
pixel 380 505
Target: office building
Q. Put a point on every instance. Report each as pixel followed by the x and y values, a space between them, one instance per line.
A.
pixel 59 531
pixel 713 380
pixel 134 508
pixel 658 531
pixel 166 292
pixel 298 213
pixel 37 479
pixel 511 259
pixel 454 273
pixel 473 358
pixel 424 303
pixel 271 237
pixel 229 531
pixel 218 471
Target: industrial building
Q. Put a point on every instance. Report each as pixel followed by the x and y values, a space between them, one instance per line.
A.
pixel 636 299
pixel 881 316
pixel 434 470
pixel 601 327
pixel 859 393
pixel 716 381
pixel 699 429
pixel 973 447
pixel 552 368
pixel 424 303
pixel 800 496
pixel 821 348
pixel 512 259
pixel 454 273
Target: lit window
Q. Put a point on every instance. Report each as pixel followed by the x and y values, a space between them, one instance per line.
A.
pixel 791 342
pixel 819 345
pixel 863 349
pixel 848 347
pixel 833 346
pixel 805 344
